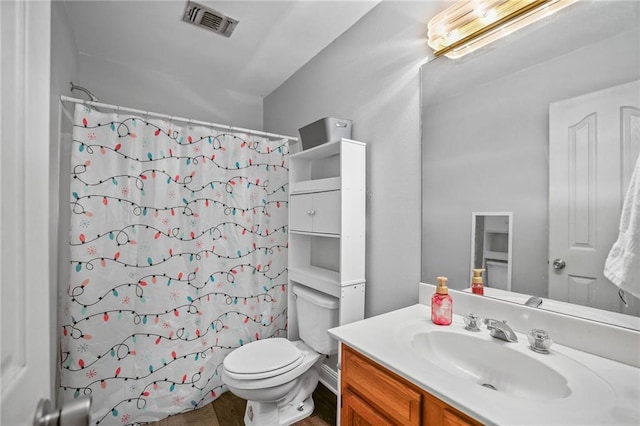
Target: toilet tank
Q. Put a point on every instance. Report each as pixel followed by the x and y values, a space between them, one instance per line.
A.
pixel 316 312
pixel 496 275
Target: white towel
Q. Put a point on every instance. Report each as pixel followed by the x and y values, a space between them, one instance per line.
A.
pixel 622 266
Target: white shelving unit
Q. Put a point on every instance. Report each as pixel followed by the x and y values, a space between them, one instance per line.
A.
pixel 327 231
pixel 496 238
pixel 491 247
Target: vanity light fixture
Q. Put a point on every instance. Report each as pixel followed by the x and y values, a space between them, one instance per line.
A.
pixel 468 25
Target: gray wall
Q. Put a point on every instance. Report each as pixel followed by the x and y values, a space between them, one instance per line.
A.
pixel 64 61
pixel 486 149
pixel 149 90
pixel 64 68
pixel 371 75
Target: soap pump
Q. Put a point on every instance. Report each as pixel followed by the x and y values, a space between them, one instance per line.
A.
pixel 441 304
pixel 477 286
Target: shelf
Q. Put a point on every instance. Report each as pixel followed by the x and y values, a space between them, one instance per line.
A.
pixel 496 255
pixel 315 185
pixel 496 231
pixel 320 279
pixel 314 234
pixel 324 150
pixel 320 151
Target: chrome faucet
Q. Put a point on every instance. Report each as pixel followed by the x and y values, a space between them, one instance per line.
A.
pixel 500 330
pixel 533 301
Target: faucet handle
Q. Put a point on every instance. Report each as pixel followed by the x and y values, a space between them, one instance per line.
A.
pixel 539 341
pixel 471 320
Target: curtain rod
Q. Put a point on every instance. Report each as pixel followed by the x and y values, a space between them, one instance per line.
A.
pixel 174 118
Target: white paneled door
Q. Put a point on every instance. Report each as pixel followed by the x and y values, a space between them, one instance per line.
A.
pixel 594 141
pixel 26 259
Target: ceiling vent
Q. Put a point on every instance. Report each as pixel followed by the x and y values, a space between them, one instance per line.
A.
pixel 210 19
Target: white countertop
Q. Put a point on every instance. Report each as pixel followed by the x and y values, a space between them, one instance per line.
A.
pixel 603 392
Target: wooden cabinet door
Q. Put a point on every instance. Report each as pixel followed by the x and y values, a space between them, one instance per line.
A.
pixel 438 413
pixel 452 418
pixel 356 412
pixel 373 395
pixel 380 388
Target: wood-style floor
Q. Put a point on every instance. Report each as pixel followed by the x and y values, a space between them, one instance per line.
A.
pixel 228 410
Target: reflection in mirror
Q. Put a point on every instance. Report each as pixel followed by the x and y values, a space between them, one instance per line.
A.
pixel 592 154
pixel 491 248
pixel 486 147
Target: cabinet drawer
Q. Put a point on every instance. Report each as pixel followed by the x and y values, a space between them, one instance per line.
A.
pixel 357 412
pixel 316 212
pixel 380 388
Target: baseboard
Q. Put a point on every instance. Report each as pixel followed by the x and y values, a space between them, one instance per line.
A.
pixel 329 378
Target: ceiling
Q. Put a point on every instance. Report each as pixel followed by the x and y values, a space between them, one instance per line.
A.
pixel 272 41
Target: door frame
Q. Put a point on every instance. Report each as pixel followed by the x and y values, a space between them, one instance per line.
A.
pixel 29 212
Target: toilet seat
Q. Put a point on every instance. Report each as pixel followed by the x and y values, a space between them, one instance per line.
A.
pixel 263 359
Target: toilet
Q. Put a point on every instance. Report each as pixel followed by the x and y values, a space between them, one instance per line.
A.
pixel 497 274
pixel 276 376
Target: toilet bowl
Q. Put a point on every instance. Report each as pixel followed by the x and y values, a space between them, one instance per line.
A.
pixel 276 376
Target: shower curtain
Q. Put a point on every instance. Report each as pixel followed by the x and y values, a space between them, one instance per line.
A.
pixel 178 244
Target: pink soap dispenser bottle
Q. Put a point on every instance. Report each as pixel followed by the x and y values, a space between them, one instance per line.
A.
pixel 477 286
pixel 441 304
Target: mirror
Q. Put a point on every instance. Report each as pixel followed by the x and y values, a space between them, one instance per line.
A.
pixel 485 141
pixel 491 248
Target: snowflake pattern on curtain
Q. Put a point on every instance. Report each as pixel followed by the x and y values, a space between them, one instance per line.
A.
pixel 178 244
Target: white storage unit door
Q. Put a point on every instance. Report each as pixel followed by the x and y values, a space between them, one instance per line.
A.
pixel 317 212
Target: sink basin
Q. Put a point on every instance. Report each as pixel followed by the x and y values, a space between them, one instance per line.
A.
pixel 491 363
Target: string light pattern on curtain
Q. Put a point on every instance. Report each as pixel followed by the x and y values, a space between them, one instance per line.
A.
pixel 178 246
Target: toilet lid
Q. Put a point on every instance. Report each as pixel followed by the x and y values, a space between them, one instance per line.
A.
pixel 263 358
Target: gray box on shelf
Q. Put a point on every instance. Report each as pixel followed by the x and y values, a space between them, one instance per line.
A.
pixel 328 129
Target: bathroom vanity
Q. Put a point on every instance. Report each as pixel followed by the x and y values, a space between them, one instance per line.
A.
pixel 400 368
pixel 372 394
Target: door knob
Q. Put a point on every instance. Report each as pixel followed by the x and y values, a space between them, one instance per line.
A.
pixel 72 413
pixel 559 264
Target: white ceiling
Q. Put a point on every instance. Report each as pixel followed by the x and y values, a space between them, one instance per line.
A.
pixel 272 41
